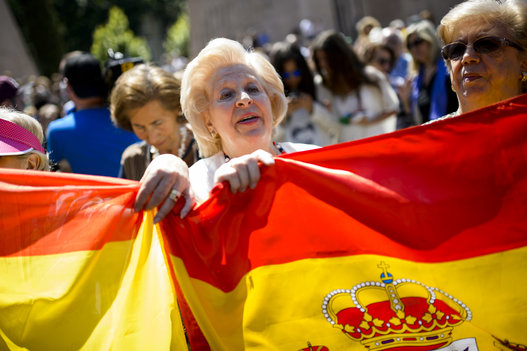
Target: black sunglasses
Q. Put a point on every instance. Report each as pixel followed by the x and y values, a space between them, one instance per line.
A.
pixel 416 42
pixel 486 45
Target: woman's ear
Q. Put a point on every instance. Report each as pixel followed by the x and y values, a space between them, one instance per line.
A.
pixel 32 162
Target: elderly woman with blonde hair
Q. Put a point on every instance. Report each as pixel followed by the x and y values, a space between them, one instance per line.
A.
pixel 232 98
pixel 21 139
pixel 485 51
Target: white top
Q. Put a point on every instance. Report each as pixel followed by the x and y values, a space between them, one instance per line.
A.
pixel 201 173
pixel 373 102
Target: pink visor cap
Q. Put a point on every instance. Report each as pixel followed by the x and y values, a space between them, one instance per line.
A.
pixel 15 140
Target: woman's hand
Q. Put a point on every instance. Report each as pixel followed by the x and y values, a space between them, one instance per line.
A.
pixel 165 180
pixel 243 172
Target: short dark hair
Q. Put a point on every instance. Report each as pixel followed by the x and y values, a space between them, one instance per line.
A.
pixel 84 74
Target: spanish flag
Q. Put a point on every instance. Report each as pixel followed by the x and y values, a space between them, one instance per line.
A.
pixel 414 240
pixel 79 269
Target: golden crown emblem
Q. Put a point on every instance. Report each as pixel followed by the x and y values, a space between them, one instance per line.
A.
pixel 395 314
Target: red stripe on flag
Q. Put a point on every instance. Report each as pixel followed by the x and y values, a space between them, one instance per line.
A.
pixel 41 215
pixel 447 191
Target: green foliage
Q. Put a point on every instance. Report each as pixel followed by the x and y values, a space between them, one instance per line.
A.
pixel 178 36
pixel 117 35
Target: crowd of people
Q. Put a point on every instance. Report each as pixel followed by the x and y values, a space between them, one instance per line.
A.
pixel 232 108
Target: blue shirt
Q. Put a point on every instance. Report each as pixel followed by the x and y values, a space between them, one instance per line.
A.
pixel 89 141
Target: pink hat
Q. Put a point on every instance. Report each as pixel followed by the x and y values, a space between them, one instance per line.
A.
pixel 15 140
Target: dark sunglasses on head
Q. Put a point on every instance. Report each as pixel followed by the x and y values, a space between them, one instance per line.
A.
pixel 486 45
pixel 295 73
pixel 416 42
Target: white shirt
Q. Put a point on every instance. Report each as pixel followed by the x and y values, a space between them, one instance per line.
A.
pixel 202 172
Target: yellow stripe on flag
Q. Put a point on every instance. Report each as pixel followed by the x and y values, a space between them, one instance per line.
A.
pixel 119 297
pixel 281 306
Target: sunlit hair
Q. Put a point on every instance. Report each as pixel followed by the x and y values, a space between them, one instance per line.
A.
pixel 31 124
pixel 509 15
pixel 140 85
pixel 425 30
pixel 196 82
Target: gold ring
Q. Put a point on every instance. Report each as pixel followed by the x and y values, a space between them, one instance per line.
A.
pixel 174 194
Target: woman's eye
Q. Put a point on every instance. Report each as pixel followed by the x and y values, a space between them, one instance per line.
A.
pixel 158 122
pixel 253 89
pixel 225 95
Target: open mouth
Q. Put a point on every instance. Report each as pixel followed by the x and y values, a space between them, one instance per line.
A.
pixel 248 120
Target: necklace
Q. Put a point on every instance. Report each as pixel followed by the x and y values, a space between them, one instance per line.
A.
pixel 277 147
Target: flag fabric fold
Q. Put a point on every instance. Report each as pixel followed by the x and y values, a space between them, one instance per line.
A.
pixel 414 240
pixel 79 270
pixel 411 240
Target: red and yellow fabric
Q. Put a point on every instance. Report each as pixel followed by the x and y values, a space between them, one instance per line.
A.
pixel 411 240
pixel 440 211
pixel 79 270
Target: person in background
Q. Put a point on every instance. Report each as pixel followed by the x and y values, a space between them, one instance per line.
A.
pixel 364 27
pixel 485 51
pixel 145 100
pixel 380 56
pixel 232 99
pixel 8 91
pixel 400 74
pixel 85 140
pixel 21 139
pixel 304 121
pixel 360 97
pixel 431 96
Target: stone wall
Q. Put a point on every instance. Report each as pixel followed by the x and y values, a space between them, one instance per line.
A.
pixel 276 18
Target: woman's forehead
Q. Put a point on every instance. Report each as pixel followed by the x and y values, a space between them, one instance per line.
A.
pixel 471 28
pixel 233 73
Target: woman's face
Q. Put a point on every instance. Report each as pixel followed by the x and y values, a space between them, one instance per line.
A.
pixel 323 63
pixel 240 111
pixel 291 75
pixel 26 161
pixel 157 126
pixel 381 60
pixel 483 79
pixel 418 48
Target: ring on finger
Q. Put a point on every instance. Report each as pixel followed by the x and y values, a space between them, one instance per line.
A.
pixel 174 194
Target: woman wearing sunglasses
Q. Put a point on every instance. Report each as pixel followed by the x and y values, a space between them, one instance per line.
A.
pixel 485 51
pixel 431 95
pixel 305 117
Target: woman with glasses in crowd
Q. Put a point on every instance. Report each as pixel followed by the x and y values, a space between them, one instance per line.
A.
pixel 431 95
pixel 485 51
pixel 304 121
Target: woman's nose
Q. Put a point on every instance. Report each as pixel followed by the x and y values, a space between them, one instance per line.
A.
pixel 244 100
pixel 470 55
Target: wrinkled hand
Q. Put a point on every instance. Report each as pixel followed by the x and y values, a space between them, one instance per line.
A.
pixel 243 172
pixel 165 173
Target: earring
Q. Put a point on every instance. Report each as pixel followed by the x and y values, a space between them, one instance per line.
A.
pixel 452 87
pixel 524 77
pixel 213 134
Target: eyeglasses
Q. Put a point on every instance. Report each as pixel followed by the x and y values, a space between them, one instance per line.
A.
pixel 295 73
pixel 416 42
pixel 383 61
pixel 486 45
